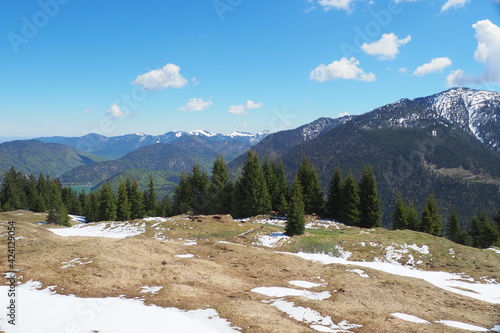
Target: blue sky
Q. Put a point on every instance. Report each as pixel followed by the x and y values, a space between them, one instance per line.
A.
pixel 70 67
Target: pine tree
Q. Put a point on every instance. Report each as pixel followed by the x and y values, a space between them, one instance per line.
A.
pixel 295 218
pixel 58 214
pixel 400 214
pixel 91 211
pixel 165 208
pixel 150 198
pixel 496 220
pixel 107 203
pixel 274 173
pixel 334 199
pixel 483 234
pixel 431 220
pixel 311 188
pixel 221 188
pixel 349 211
pixel 183 196
pixel 370 212
pixel 136 199
pixel 123 209
pixel 199 183
pixel 251 196
pixel 453 229
pixel 412 217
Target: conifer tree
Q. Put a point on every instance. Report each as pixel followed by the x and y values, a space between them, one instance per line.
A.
pixel 453 229
pixel 334 199
pixel 107 203
pixel 311 188
pixel 91 211
pixel 221 188
pixel 412 217
pixel 295 218
pixel 400 214
pixel 483 234
pixel 349 211
pixel 496 220
pixel 370 212
pixel 150 198
pixel 123 206
pixel 165 207
pixel 199 183
pixel 58 214
pixel 183 196
pixel 431 220
pixel 251 196
pixel 274 173
pixel 136 199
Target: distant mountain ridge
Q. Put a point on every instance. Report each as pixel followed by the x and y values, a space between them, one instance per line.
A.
pixel 118 146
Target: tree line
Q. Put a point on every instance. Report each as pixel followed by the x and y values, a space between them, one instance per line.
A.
pixel 482 233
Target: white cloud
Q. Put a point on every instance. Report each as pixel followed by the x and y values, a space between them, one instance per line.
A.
pixel 436 64
pixel 89 110
pixel 336 4
pixel 196 104
pixel 168 76
pixel 403 70
pixel 242 109
pixel 115 111
pixel 343 114
pixel 487 52
pixel 387 47
pixel 451 4
pixel 341 69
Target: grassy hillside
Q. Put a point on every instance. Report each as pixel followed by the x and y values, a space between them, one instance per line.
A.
pixel 229 260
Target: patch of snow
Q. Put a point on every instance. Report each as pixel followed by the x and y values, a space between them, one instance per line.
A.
pixel 493 249
pixel 185 256
pixel 110 315
pixel 75 262
pixel 463 326
pixel 276 222
pixel 272 240
pixel 448 281
pixel 451 252
pixel 102 229
pixel 282 292
pixel 358 271
pixel 496 328
pixel 305 284
pixel 410 318
pixel 190 243
pixel 325 224
pixel 150 290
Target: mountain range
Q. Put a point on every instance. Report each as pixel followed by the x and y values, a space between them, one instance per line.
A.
pixel 447 144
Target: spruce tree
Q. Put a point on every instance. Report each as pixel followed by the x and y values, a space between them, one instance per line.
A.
pixel 183 196
pixel 221 188
pixel 412 217
pixel 274 173
pixel 334 199
pixel 251 196
pixel 58 214
pixel 123 206
pixel 431 220
pixel 496 220
pixel 400 214
pixel 165 208
pixel 295 218
pixel 483 234
pixel 370 212
pixel 199 184
pixel 107 203
pixel 311 188
pixel 136 199
pixel 453 229
pixel 150 198
pixel 349 210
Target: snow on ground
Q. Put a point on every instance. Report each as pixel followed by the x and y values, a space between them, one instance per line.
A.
pixel 272 240
pixel 310 316
pixel 77 218
pixel 151 290
pixel 76 261
pixel 282 292
pixel 358 271
pixel 493 249
pixel 276 222
pixel 185 256
pixel 325 224
pixel 463 326
pixel 102 229
pixel 305 284
pixel 110 315
pixel 448 281
pixel 190 243
pixel 394 255
pixel 410 318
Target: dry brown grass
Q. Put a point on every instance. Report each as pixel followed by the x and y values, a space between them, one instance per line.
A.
pixel 222 275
